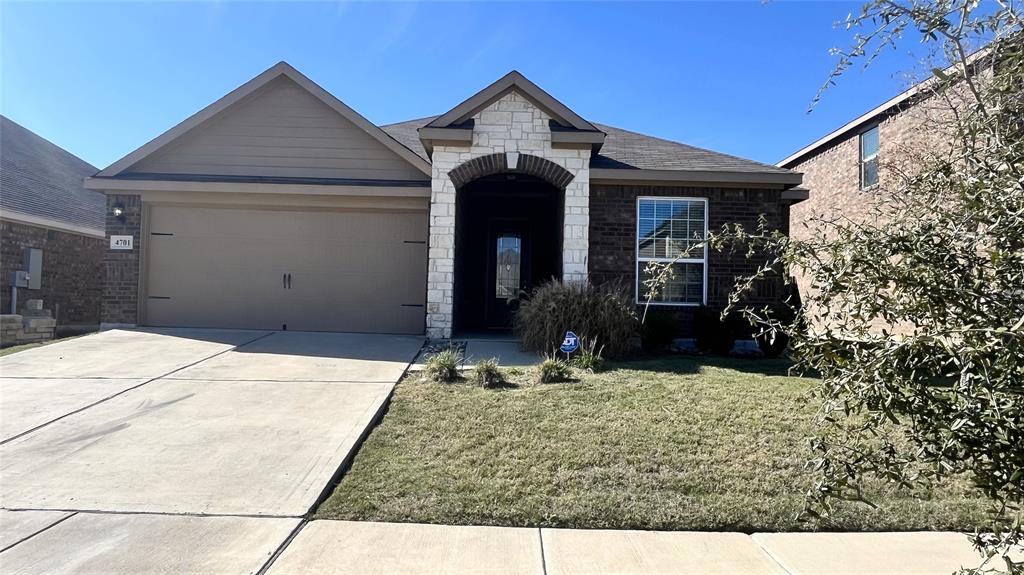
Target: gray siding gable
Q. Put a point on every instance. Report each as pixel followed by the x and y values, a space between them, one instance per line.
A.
pixel 280 130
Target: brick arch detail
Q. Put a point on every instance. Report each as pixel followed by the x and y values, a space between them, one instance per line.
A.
pixel 498 163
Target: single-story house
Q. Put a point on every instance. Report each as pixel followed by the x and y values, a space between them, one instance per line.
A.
pixel 279 207
pixel 43 206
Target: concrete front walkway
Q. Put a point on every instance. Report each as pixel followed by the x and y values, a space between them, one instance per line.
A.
pixel 502 348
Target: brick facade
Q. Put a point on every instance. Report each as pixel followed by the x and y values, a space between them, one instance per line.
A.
pixel 908 133
pixel 527 164
pixel 72 272
pixel 613 231
pixel 121 267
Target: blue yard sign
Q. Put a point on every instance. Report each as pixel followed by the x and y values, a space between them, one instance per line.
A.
pixel 571 343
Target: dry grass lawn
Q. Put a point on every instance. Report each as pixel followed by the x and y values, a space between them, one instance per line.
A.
pixel 674 444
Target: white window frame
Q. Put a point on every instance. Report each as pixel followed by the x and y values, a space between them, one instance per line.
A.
pixel 638 260
pixel 862 161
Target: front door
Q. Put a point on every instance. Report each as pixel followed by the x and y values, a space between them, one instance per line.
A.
pixel 508 239
pixel 508 270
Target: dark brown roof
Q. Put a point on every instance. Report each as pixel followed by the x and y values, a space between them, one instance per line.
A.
pixel 624 150
pixel 40 179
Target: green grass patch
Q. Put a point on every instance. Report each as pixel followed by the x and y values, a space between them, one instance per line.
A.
pixel 674 444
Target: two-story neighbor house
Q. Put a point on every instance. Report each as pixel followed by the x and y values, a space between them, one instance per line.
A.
pixel 848 167
pixel 280 207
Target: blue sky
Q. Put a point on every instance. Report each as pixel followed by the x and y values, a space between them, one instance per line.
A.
pixel 737 77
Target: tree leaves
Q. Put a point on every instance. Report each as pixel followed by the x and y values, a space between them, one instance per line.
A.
pixel 913 317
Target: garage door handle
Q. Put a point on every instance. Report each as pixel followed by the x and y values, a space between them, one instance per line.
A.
pixel 289 281
pixel 284 281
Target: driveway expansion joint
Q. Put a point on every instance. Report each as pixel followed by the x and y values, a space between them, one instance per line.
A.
pixel 123 391
pixel 31 535
pixel 770 555
pixel 280 548
pixel 543 559
pixel 163 513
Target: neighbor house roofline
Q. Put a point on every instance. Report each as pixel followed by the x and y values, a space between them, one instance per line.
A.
pixel 851 127
pixel 236 95
pixel 51 223
pixel 854 126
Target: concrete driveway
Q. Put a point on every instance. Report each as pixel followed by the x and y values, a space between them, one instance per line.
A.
pixel 235 424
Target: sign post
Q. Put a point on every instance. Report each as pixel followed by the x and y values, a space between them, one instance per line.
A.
pixel 570 344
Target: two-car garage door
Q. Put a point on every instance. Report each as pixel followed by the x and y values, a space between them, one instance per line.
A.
pixel 327 270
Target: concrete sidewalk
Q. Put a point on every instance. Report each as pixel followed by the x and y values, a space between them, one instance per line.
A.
pixel 37 542
pixel 335 547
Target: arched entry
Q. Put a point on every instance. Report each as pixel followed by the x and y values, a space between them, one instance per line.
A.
pixel 508 235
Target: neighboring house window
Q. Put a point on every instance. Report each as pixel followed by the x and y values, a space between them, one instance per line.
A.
pixel 869 158
pixel 673 230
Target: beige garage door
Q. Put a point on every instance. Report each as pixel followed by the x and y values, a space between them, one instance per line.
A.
pixel 265 269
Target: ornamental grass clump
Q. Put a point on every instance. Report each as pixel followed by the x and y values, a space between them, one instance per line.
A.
pixel 553 370
pixel 589 357
pixel 487 373
pixel 604 313
pixel 443 366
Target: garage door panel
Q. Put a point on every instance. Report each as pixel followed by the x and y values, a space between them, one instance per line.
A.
pixel 234 313
pixel 366 318
pixel 350 270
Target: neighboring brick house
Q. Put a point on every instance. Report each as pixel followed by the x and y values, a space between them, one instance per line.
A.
pixel 847 169
pixel 852 171
pixel 279 207
pixel 43 205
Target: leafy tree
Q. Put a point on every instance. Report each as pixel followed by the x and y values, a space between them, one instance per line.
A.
pixel 914 318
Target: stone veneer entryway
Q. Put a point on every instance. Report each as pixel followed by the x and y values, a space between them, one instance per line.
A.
pixel 514 126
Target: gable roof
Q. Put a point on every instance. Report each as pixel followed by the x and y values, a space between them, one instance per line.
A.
pixel 511 81
pixel 627 152
pixel 275 71
pixel 41 184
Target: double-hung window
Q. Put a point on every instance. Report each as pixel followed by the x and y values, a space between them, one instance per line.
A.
pixel 673 231
pixel 869 158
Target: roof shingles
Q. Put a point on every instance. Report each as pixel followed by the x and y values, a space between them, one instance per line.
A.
pixel 40 179
pixel 624 150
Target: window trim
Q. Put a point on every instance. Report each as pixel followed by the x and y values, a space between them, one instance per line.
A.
pixel 861 160
pixel 637 260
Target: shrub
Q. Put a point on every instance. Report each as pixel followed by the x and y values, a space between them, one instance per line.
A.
pixel 443 366
pixel 588 357
pixel 486 373
pixel 603 312
pixel 553 370
pixel 658 330
pixel 714 334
